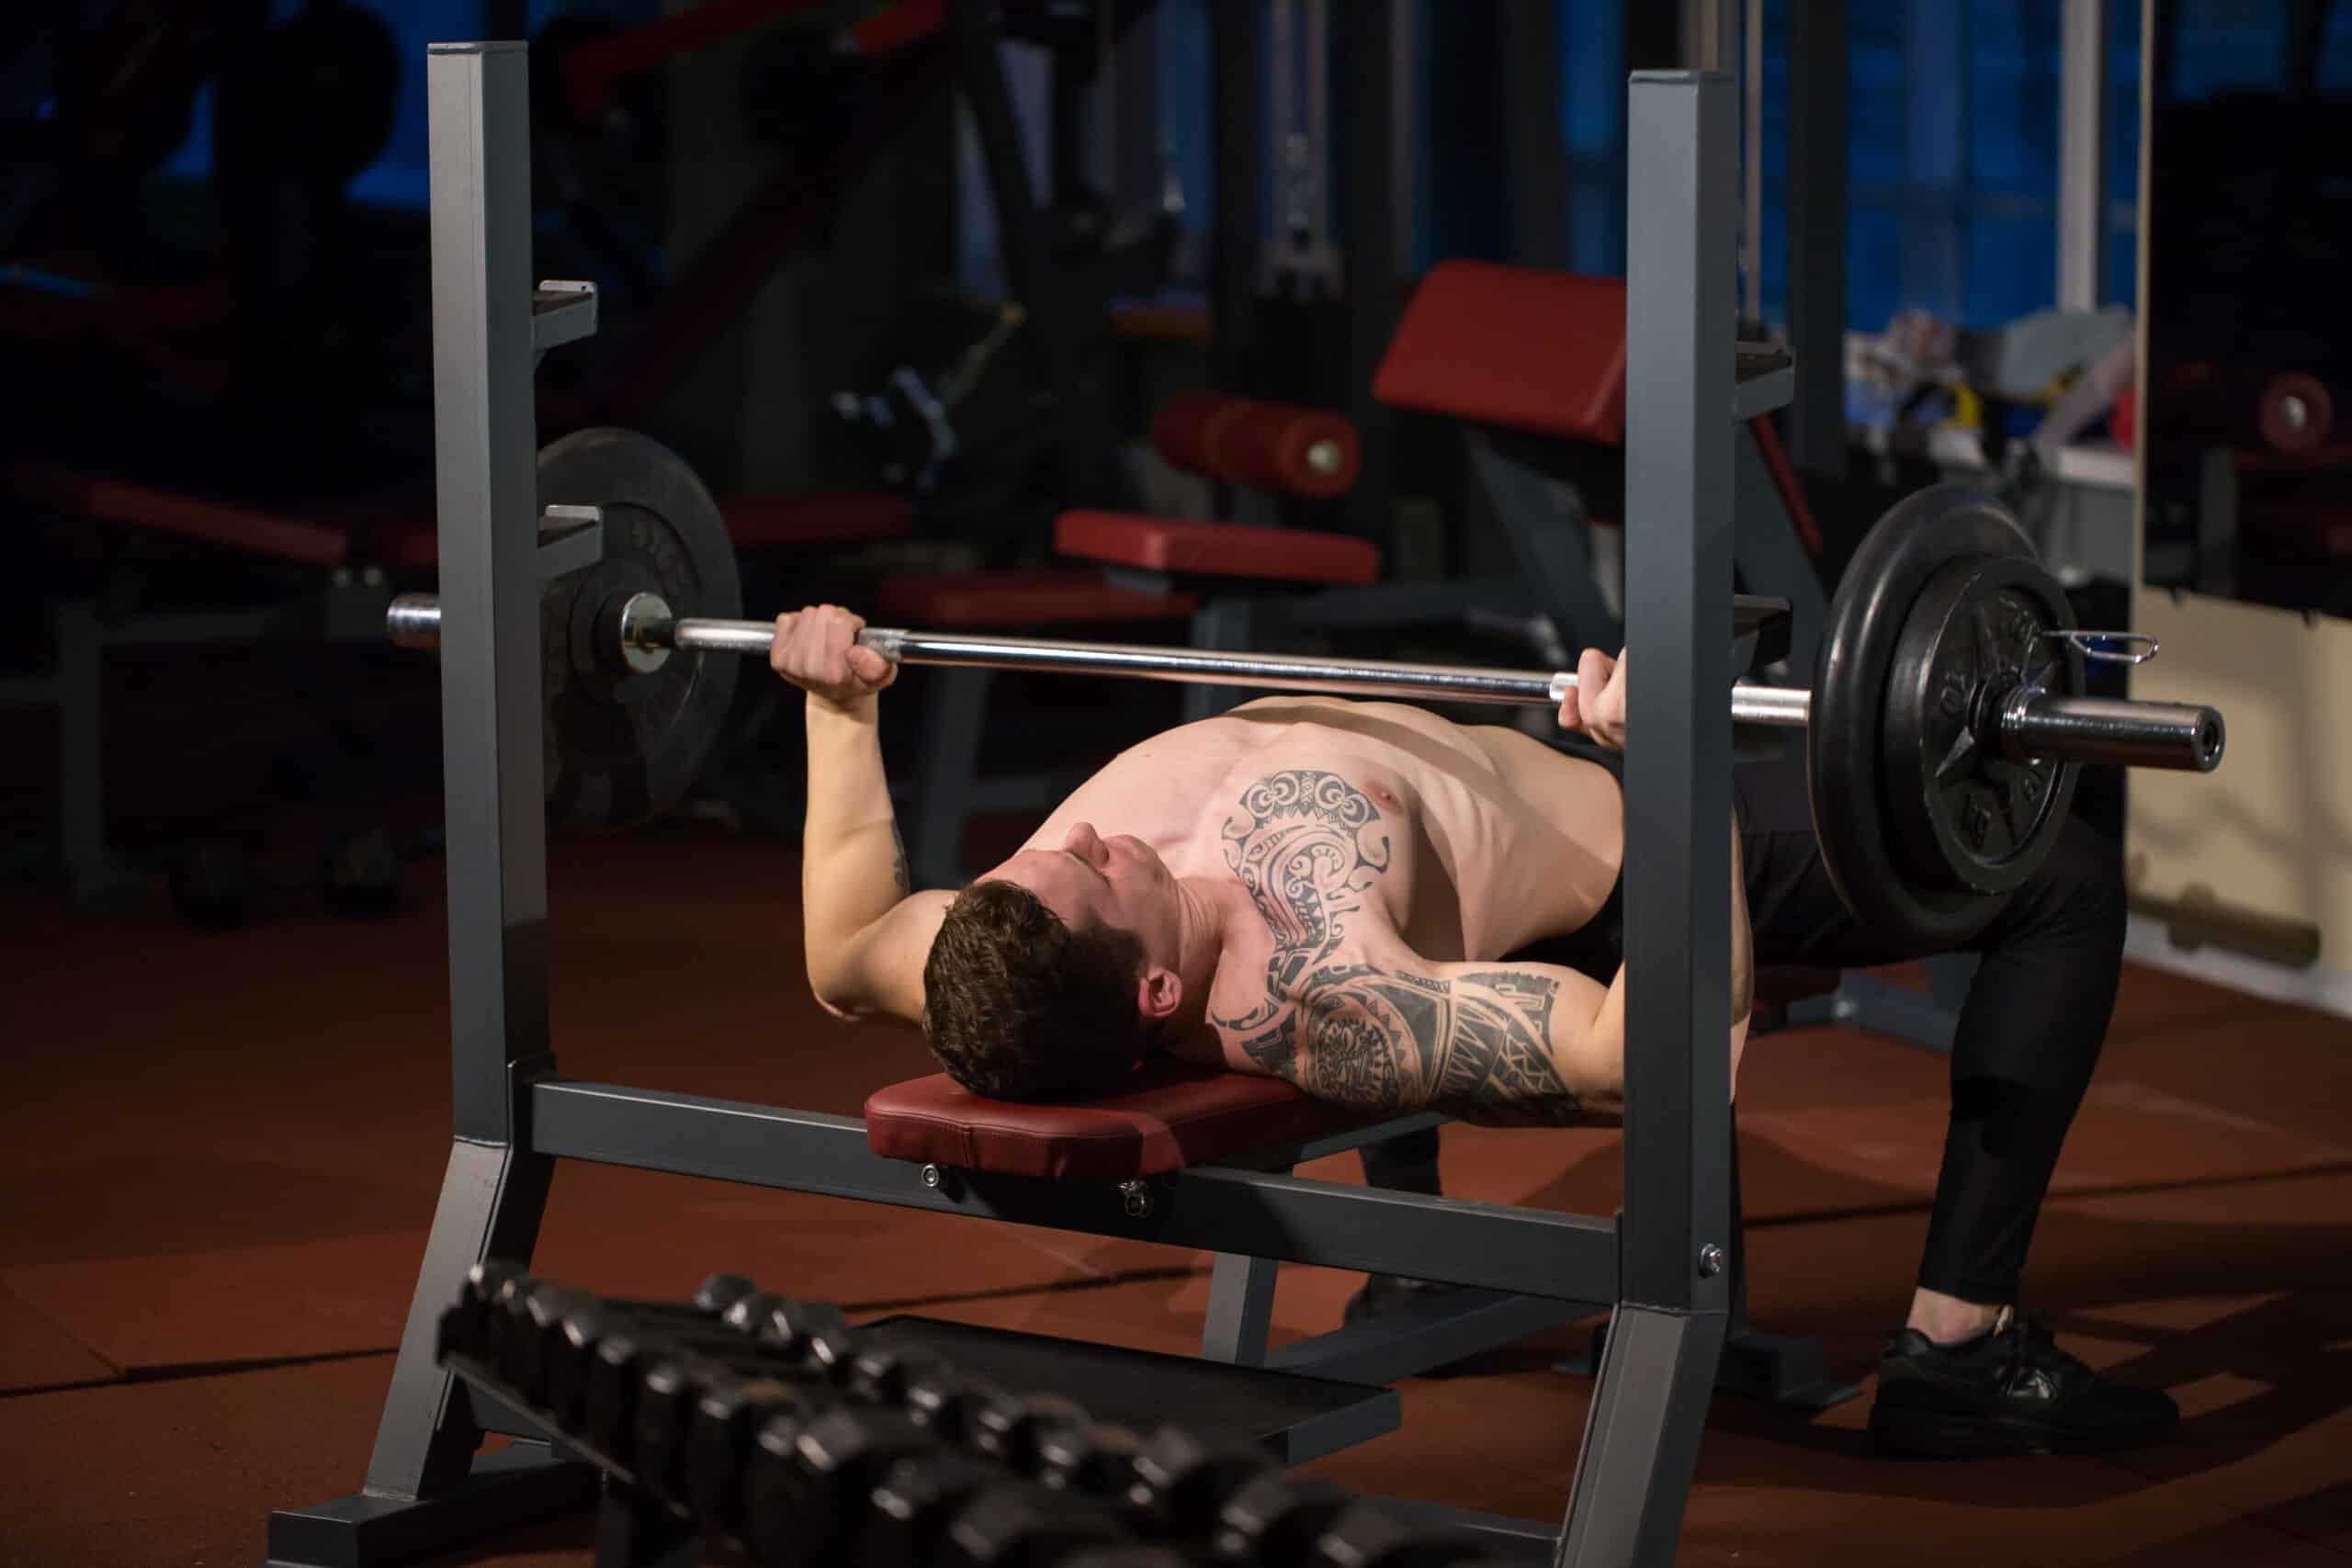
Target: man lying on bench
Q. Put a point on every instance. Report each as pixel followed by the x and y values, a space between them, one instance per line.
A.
pixel 1400 913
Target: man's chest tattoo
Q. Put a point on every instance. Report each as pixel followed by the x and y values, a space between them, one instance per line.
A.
pixel 1306 846
pixel 1309 848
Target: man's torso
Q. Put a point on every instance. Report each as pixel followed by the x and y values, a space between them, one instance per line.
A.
pixel 1360 827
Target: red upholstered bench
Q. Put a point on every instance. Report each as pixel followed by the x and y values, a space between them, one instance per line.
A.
pixel 1180 547
pixel 1049 596
pixel 1175 1116
pixel 1227 555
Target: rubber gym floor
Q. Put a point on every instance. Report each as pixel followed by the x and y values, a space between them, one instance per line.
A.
pixel 223 1152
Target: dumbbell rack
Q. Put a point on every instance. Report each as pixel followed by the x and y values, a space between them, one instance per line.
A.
pixel 1663 1262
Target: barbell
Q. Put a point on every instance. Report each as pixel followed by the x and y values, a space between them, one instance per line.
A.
pixel 1944 724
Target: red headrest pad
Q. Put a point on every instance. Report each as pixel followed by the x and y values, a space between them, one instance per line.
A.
pixel 1175 1116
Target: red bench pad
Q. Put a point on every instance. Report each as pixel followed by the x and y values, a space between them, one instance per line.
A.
pixel 1175 1116
pixel 1520 346
pixel 1041 597
pixel 1216 550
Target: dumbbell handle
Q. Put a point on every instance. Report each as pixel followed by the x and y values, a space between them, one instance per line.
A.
pixel 2076 729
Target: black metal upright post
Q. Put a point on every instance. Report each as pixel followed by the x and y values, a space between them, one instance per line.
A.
pixel 1658 1363
pixel 1081 411
pixel 423 1491
pixel 487 498
pixel 1236 172
pixel 1363 32
pixel 1535 164
pixel 1816 239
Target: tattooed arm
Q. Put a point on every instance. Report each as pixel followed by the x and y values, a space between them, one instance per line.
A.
pixel 1509 1044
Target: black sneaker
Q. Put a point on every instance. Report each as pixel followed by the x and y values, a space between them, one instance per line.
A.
pixel 2009 1391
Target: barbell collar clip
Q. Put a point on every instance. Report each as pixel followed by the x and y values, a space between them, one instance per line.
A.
pixel 2108 648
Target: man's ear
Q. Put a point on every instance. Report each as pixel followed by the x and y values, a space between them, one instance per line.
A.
pixel 1158 993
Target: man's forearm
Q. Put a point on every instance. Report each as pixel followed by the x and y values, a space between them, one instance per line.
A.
pixel 853 863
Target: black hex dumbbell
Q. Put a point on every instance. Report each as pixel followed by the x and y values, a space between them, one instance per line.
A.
pixel 718 1292
pixel 706 1312
pixel 1275 1520
pixel 1098 1459
pixel 1137 1554
pixel 1025 1525
pixel 522 1324
pixel 566 1358
pixel 910 1508
pixel 948 1403
pixel 666 1397
pixel 465 1325
pixel 1365 1536
pixel 1007 1428
pixel 724 1433
pixel 809 1485
pixel 881 1372
pixel 617 1367
pixel 1181 1482
pixel 814 1333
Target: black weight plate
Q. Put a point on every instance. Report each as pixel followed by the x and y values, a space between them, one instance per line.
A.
pixel 622 746
pixel 1961 814
pixel 1844 746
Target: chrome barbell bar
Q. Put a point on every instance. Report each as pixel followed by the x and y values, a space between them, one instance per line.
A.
pixel 2092 730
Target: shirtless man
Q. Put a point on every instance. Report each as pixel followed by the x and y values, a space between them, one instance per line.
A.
pixel 1397 912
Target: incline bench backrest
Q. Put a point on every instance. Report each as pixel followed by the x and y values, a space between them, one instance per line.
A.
pixel 1521 347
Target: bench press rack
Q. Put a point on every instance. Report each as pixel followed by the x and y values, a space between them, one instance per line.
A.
pixel 1661 1266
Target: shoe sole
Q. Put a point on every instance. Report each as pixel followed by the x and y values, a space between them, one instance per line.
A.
pixel 1925 1435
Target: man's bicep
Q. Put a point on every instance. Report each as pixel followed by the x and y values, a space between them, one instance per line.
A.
pixel 880 970
pixel 1484 1042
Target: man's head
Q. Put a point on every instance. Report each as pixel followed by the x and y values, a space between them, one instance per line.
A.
pixel 1049 972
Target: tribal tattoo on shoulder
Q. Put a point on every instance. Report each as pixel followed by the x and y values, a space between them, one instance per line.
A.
pixel 1309 848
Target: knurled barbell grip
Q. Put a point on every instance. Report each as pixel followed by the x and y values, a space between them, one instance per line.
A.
pixel 2082 730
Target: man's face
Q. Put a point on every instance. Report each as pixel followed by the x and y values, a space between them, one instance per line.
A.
pixel 1117 881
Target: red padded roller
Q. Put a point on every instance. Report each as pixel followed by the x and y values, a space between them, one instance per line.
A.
pixel 1185 429
pixel 1172 1116
pixel 2298 412
pixel 1266 445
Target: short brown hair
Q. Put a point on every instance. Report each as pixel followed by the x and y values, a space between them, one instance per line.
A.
pixel 1021 1005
